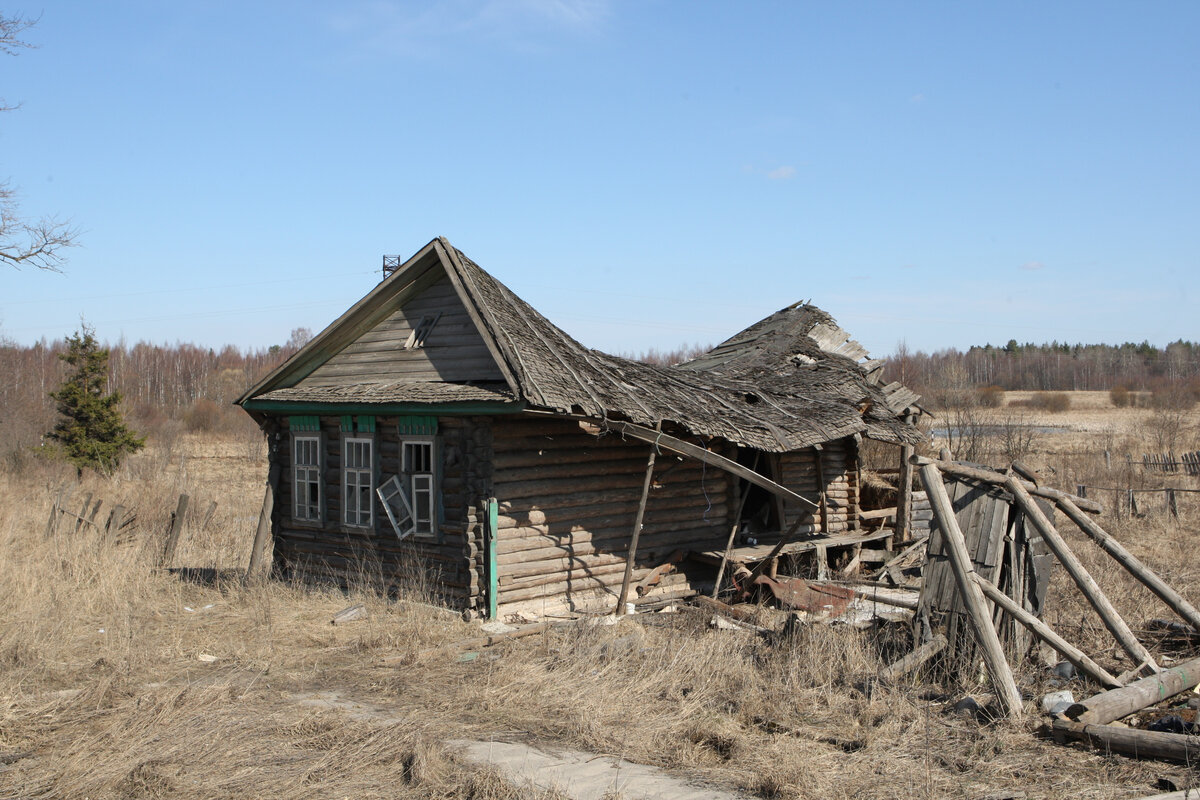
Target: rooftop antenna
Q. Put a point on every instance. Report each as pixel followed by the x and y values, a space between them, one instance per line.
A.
pixel 391 264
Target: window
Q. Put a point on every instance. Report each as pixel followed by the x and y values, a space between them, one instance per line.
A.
pixel 418 471
pixel 358 481
pixel 306 478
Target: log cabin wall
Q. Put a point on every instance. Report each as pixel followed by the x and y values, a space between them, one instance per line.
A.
pixel 567 506
pixel 836 464
pixel 441 571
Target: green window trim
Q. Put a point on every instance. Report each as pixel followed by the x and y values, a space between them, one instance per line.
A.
pixel 302 424
pixel 362 423
pixel 414 425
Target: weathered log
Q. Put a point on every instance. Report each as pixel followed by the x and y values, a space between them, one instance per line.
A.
pixel 1130 741
pixel 952 536
pixel 1117 703
pixel 1046 634
pixel 175 530
pixel 613 540
pixel 1082 578
pixel 559 576
pixel 617 506
pixel 904 489
pixel 600 525
pixel 1174 600
pixel 914 659
pixel 987 476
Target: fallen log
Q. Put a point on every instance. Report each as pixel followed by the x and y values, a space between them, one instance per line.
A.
pixel 914 659
pixel 1117 703
pixel 1129 741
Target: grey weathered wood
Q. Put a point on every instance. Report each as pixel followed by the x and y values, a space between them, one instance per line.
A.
pixel 987 476
pixel 993 653
pixel 177 520
pixel 262 534
pixel 81 517
pixel 1130 741
pixel 1082 578
pixel 623 598
pixel 914 659
pixel 1132 565
pixel 1047 634
pixel 733 530
pixel 904 485
pixel 1117 703
pixel 708 457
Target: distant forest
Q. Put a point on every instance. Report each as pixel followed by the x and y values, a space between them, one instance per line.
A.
pixel 186 387
pixel 1051 367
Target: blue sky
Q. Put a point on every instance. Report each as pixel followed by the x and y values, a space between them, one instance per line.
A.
pixel 644 173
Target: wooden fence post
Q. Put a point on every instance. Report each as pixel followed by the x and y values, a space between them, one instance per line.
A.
pixel 623 598
pixel 262 534
pixel 175 530
pixel 960 563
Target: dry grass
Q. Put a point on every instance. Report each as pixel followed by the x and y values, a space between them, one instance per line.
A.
pixel 105 693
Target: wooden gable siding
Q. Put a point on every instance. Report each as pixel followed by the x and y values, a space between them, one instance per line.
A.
pixel 568 501
pixel 839 468
pixel 440 571
pixel 453 351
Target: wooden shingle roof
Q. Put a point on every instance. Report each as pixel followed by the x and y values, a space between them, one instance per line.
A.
pixel 736 394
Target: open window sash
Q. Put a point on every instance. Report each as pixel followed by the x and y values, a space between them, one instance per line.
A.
pixel 398 507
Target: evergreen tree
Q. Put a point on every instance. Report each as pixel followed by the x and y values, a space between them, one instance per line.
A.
pixel 91 432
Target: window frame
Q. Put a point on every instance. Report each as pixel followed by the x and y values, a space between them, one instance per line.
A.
pixel 431 476
pixel 359 438
pixel 317 478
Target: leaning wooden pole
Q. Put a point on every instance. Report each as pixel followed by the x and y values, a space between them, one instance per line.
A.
pixel 960 564
pixel 1132 565
pixel 1082 578
pixel 733 531
pixel 988 476
pixel 637 531
pixel 1044 632
pixel 262 535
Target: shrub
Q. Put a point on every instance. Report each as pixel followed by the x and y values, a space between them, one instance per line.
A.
pixel 1120 396
pixel 990 396
pixel 203 416
pixel 1052 401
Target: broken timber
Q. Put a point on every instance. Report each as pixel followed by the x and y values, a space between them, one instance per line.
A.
pixel 987 476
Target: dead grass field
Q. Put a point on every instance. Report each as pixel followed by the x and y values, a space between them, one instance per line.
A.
pixel 119 679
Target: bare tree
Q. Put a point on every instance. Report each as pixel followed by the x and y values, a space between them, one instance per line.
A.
pixel 22 241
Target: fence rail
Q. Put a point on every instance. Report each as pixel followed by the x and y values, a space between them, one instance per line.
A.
pixel 1188 463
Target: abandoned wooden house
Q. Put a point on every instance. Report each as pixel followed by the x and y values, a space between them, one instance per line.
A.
pixel 442 423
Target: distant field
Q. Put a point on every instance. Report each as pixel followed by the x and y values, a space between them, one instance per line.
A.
pixel 120 679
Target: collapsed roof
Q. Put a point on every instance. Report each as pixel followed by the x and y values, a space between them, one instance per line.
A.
pixel 788 382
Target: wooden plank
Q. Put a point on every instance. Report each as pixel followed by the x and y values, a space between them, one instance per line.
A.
pixel 993 653
pixel 1130 741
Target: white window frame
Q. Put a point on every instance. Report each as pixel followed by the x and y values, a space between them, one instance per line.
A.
pixel 352 512
pixel 305 476
pixel 425 482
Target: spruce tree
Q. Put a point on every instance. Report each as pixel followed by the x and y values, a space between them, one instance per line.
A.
pixel 92 432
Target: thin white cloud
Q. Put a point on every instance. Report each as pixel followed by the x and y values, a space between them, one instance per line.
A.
pixel 782 173
pixel 917 98
pixel 1033 265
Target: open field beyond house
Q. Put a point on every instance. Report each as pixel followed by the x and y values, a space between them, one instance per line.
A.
pixel 123 678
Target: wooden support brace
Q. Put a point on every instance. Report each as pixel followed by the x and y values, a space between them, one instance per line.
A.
pixel 987 476
pixel 1082 578
pixel 1132 565
pixel 1117 703
pixel 1047 634
pixel 637 531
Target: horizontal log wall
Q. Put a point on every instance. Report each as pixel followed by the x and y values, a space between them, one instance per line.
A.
pixel 568 500
pixel 444 571
pixel 839 468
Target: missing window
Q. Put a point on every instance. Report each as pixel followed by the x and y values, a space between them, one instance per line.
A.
pixel 420 332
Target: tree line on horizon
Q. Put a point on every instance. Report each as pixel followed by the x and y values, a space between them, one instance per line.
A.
pixel 192 387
